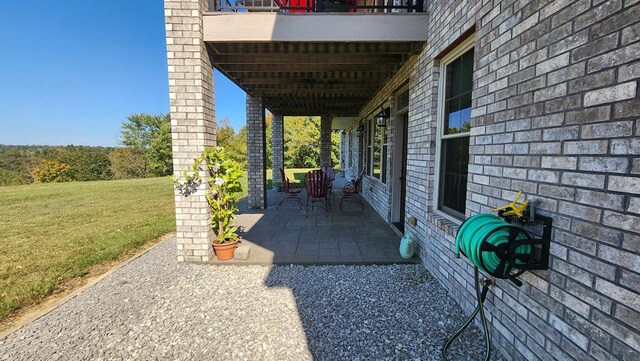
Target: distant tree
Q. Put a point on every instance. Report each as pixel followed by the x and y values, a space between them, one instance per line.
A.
pixel 85 163
pixel 268 136
pixel 234 144
pixel 51 170
pixel 9 178
pixel 151 135
pixel 302 142
pixel 127 163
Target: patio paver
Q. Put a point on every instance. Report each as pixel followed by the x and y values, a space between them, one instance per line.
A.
pixel 350 235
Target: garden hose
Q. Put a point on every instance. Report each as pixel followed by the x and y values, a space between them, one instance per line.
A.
pixel 496 247
pixel 493 245
pixel 481 295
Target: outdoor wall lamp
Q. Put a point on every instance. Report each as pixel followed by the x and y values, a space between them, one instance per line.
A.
pixel 382 117
pixel 360 131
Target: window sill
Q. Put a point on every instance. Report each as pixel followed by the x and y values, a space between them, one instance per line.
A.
pixel 445 223
pixel 376 181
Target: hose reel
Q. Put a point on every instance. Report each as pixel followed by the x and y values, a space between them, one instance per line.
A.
pixel 503 250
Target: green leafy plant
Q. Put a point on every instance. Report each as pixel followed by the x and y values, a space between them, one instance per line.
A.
pixel 223 180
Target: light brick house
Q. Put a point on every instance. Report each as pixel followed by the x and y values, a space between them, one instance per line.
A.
pixel 546 101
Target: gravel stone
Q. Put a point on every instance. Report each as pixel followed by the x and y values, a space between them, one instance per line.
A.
pixel 155 308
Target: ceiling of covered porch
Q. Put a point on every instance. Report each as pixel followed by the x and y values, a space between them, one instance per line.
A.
pixel 311 78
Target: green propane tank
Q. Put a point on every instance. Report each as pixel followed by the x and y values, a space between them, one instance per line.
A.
pixel 407 247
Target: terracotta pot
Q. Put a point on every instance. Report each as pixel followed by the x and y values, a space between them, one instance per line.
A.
pixel 225 251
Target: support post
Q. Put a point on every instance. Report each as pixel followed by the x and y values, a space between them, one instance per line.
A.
pixel 256 153
pixel 191 97
pixel 325 141
pixel 277 147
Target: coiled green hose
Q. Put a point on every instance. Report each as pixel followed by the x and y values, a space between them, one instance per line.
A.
pixel 480 238
pixel 487 228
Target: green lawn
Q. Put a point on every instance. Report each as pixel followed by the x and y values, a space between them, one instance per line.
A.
pixel 295 175
pixel 52 233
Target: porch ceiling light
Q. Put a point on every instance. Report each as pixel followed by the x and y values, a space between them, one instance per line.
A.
pixel 360 131
pixel 382 117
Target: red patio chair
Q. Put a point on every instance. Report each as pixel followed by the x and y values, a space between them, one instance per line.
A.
pixel 331 176
pixel 316 184
pixel 289 191
pixel 352 189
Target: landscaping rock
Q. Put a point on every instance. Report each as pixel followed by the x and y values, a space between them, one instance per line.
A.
pixel 156 308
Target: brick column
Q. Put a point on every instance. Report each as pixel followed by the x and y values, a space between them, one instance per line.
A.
pixel 325 141
pixel 192 120
pixel 256 153
pixel 277 147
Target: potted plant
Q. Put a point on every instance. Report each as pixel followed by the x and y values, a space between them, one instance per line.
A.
pixel 223 179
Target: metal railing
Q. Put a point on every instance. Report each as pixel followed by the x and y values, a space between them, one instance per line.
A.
pixel 314 6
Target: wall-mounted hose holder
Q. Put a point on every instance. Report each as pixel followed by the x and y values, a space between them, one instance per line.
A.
pixel 503 249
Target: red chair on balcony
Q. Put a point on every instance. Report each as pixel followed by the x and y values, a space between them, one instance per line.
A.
pixel 352 189
pixel 316 184
pixel 289 191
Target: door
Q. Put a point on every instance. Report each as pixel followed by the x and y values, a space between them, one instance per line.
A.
pixel 399 188
pixel 403 172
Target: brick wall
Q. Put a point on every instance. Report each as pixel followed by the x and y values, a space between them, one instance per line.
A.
pixel 555 104
pixel 555 113
pixel 325 141
pixel 379 194
pixel 192 120
pixel 256 148
pixel 277 146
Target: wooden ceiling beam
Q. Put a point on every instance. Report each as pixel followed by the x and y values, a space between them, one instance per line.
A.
pixel 341 75
pixel 312 48
pixel 307 81
pixel 288 59
pixel 311 68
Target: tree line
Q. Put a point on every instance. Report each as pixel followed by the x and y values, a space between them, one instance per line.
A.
pixel 146 152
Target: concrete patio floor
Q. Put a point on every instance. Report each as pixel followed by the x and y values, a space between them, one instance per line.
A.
pixel 293 235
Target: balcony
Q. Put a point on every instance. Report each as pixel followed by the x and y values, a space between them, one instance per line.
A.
pixel 303 59
pixel 317 6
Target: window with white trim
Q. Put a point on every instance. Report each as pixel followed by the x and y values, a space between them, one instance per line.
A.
pixel 454 124
pixel 376 153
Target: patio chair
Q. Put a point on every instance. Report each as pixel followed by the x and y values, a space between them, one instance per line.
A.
pixel 289 191
pixel 331 176
pixel 352 189
pixel 316 184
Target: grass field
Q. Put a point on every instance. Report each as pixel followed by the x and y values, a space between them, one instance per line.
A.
pixel 50 233
pixel 53 233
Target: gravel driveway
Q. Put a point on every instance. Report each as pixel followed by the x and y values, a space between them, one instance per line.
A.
pixel 155 309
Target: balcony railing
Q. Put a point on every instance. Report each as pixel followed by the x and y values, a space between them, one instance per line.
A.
pixel 315 6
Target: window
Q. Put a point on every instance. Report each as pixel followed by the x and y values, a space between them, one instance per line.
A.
pixel 376 151
pixel 454 111
pixel 367 142
pixel 402 101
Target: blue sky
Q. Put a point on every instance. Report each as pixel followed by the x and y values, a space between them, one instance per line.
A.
pixel 72 70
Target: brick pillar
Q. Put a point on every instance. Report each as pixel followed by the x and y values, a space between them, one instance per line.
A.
pixel 256 153
pixel 277 147
pixel 325 141
pixel 192 120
